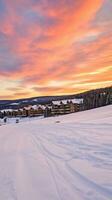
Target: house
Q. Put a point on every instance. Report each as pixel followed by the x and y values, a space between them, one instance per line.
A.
pixel 66 106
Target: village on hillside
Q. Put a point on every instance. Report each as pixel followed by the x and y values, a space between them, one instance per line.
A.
pixel 88 101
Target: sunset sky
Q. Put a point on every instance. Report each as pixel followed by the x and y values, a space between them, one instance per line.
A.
pixel 54 47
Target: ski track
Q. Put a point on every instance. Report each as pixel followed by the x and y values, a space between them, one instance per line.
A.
pixel 49 161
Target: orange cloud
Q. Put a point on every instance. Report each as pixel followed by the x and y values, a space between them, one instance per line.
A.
pixel 56 41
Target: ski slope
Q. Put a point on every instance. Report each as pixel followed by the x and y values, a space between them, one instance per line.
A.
pixel 59 158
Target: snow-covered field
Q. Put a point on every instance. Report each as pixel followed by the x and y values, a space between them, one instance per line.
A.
pixel 59 158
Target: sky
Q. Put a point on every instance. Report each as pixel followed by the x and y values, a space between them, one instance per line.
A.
pixel 54 47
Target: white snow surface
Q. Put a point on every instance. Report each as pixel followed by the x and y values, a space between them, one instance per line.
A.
pixel 58 158
pixel 78 101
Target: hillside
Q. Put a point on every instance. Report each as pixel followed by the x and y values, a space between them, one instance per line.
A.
pixel 88 96
pixel 58 158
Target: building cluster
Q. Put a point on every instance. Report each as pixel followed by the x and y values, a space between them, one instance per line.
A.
pixel 30 111
pixel 63 107
pixel 54 108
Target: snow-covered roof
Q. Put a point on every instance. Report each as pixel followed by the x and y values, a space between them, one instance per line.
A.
pixel 21 109
pixel 78 101
pixel 42 106
pixel 56 102
pixel 6 110
pixel 35 107
pixel 28 107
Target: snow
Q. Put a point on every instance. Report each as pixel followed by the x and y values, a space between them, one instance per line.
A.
pixel 25 101
pixel 35 100
pixel 35 107
pixel 78 101
pixel 6 110
pixel 12 120
pixel 14 104
pixel 59 158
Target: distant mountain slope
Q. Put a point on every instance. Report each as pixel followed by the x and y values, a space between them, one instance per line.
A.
pixel 18 103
